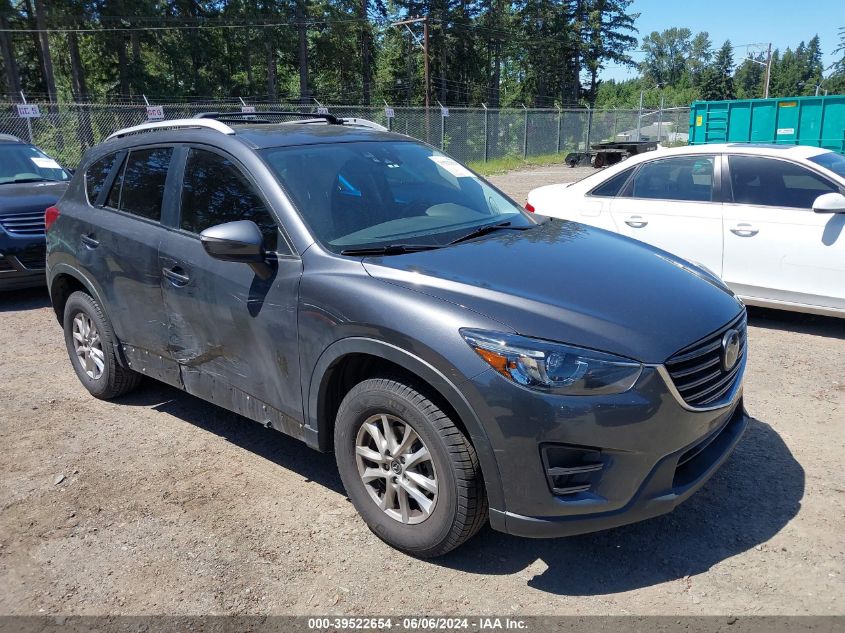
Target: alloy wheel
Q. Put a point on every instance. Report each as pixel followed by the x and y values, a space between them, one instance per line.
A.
pixel 396 468
pixel 88 346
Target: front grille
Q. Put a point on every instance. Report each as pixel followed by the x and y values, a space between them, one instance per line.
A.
pixel 33 258
pixel 24 223
pixel 697 370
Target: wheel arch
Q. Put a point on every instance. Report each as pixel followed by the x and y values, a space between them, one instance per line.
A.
pixel 64 281
pixel 351 359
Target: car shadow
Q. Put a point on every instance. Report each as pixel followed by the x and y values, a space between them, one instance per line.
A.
pixel 749 500
pixel 27 299
pixel 783 320
pixel 276 447
pixel 755 494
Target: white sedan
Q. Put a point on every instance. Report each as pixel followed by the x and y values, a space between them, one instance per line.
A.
pixel 768 219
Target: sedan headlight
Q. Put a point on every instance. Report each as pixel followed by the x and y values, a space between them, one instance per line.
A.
pixel 553 367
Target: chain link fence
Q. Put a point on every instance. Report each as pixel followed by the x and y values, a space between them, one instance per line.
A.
pixel 66 130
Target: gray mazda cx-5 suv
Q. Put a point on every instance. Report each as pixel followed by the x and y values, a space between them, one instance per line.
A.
pixel 365 293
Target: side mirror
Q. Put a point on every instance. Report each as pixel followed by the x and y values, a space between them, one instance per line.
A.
pixel 239 241
pixel 829 203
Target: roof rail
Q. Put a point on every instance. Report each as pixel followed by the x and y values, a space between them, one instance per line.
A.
pixel 250 117
pixel 10 138
pixel 171 124
pixel 364 123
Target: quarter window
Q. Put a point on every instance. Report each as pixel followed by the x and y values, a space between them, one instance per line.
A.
pixel 687 178
pixel 611 187
pixel 215 192
pixel 139 189
pixel 96 174
pixel 775 183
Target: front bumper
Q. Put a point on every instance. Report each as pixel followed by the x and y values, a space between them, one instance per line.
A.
pixel 647 451
pixel 22 263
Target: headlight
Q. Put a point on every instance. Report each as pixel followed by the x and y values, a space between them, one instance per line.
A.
pixel 553 367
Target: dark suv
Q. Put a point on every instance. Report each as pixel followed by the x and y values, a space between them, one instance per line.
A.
pixel 30 181
pixel 367 294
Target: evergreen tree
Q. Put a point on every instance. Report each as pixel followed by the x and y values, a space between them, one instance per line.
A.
pixel 717 79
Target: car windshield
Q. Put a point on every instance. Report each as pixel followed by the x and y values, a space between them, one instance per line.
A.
pixel 833 162
pixel 377 194
pixel 25 163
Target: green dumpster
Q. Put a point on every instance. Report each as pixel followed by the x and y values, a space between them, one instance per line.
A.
pixel 816 121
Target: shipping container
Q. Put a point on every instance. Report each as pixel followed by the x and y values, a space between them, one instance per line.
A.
pixel 816 121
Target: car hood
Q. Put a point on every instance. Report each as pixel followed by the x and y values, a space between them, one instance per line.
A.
pixel 568 282
pixel 29 196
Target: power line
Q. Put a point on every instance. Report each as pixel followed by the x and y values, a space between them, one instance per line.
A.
pixel 184 27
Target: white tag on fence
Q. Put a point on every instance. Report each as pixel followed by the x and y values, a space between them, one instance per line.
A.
pixel 155 113
pixel 28 111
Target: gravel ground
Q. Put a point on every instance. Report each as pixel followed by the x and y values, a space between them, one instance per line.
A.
pixel 161 503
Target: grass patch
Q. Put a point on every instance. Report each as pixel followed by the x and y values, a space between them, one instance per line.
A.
pixel 511 162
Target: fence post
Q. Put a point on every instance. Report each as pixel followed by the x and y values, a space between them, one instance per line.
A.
pixel 525 134
pixel 615 122
pixel 660 119
pixel 486 135
pixel 28 121
pixel 389 118
pixel 559 122
pixel 589 128
pixel 442 127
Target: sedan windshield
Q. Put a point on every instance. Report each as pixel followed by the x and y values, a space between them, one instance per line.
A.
pixel 831 161
pixel 25 163
pixel 395 194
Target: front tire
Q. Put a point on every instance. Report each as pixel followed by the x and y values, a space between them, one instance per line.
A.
pixel 411 474
pixel 90 340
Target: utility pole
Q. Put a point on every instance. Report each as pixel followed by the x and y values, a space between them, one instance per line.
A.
pixel 768 69
pixel 424 46
pixel 425 56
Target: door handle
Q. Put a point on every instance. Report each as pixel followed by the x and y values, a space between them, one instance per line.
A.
pixel 89 242
pixel 175 276
pixel 743 229
pixel 636 221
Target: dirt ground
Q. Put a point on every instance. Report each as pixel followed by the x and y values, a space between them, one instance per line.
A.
pixel 161 503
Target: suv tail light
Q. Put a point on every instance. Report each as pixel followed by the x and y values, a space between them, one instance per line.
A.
pixel 529 207
pixel 50 216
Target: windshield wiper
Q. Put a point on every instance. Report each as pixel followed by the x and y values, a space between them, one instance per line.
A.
pixel 488 228
pixel 20 180
pixel 391 249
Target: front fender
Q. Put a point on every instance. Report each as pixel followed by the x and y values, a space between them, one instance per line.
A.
pixel 318 429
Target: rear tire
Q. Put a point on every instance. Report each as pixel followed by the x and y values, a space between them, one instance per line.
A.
pixel 428 462
pixel 90 343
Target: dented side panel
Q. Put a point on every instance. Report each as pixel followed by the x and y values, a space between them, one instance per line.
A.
pixel 233 335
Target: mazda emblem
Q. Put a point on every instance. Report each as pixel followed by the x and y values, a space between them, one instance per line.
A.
pixel 730 349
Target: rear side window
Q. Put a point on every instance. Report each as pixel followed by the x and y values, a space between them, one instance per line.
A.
pixel 612 187
pixel 775 183
pixel 686 178
pixel 215 192
pixel 96 174
pixel 139 189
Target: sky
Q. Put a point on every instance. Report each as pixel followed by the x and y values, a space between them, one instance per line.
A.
pixel 742 22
